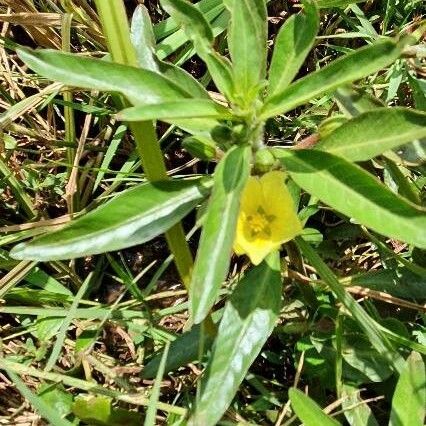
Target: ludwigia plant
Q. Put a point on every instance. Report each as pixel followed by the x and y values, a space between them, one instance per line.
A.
pixel 250 209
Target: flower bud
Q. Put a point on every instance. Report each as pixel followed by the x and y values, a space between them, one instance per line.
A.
pixel 329 125
pixel 264 160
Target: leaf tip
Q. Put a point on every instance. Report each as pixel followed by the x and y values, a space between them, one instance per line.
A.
pixel 19 252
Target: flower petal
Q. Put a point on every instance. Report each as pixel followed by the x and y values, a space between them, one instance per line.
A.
pixel 251 198
pixel 270 194
pixel 256 249
pixel 280 204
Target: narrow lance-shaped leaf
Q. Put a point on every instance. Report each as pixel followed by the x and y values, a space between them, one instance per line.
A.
pixel 169 26
pixel 353 101
pixel 199 31
pixel 217 237
pixel 133 217
pixel 139 86
pixel 374 132
pixel 308 410
pixel 355 193
pixel 248 320
pixel 351 67
pixel 143 40
pixel 190 108
pixel 293 43
pixel 409 399
pixel 247 41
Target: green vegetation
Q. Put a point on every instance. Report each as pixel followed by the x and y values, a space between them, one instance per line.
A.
pixel 213 212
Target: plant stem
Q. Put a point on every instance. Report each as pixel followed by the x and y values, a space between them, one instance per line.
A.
pixel 70 135
pixel 115 26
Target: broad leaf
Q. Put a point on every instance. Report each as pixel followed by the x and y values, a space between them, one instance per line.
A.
pixel 199 31
pixel 293 43
pixel 247 41
pixel 355 193
pixel 308 410
pixel 409 399
pixel 139 86
pixel 190 108
pixel 375 132
pixel 217 237
pixel 351 67
pixel 248 319
pixel 131 218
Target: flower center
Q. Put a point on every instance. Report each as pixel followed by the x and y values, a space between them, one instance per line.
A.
pixel 260 222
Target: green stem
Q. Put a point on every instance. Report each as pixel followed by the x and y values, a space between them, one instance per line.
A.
pixel 115 26
pixel 70 135
pixel 296 260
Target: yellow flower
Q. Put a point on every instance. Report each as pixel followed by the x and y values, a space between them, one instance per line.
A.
pixel 267 217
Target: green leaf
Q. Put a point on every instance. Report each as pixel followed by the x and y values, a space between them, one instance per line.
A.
pixel 191 108
pixel 138 85
pixel 248 320
pixel 44 409
pixel 356 411
pixel 309 411
pixel 398 282
pixel 214 252
pixel 199 31
pixel 353 101
pixel 184 80
pixel 323 4
pixel 131 218
pixel 374 132
pixel 151 412
pixel 190 18
pixel 247 41
pixel 293 43
pixel 355 193
pixel 183 350
pixel 143 40
pixel 409 399
pixel 56 397
pixel 98 410
pixel 362 357
pixel 374 331
pixel 351 67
